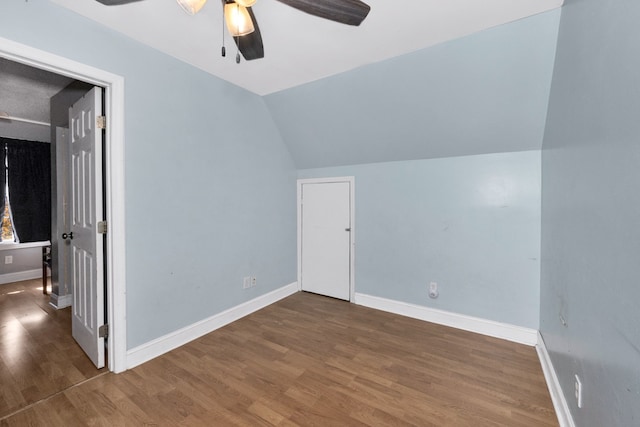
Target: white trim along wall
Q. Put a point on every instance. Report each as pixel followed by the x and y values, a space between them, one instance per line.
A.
pixel 21 275
pixel 114 180
pixel 29 272
pixel 164 344
pixel 490 328
pixel 553 384
pixel 505 331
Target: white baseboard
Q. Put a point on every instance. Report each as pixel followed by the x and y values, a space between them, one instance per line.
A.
pixel 60 301
pixel 159 346
pixel 557 396
pixel 491 328
pixel 20 276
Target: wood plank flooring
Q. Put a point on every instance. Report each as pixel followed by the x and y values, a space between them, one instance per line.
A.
pixel 309 360
pixel 38 356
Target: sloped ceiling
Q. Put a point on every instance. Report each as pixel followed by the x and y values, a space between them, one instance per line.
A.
pixel 300 48
pixel 484 93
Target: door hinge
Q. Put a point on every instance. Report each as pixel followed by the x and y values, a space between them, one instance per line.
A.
pixel 101 121
pixel 103 331
pixel 102 227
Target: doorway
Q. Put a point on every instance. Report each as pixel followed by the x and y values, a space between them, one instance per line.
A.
pixel 113 185
pixel 326 236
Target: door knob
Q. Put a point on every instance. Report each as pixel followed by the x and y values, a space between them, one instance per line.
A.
pixel 66 236
pixel 347 229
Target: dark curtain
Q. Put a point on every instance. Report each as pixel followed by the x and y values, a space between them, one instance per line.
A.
pixel 2 176
pixel 29 178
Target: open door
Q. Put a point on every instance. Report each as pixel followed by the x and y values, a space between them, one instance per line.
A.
pixel 87 267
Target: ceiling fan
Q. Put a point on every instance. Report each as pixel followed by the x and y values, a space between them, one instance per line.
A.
pixel 243 26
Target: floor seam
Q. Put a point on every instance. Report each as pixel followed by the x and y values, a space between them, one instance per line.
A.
pixel 31 405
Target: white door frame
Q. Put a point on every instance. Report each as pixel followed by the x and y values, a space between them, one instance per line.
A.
pixel 352 219
pixel 114 181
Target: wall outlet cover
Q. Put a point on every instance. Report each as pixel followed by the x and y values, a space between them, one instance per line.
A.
pixel 433 290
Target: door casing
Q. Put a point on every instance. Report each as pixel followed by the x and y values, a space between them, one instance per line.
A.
pixel 351 181
pixel 114 180
pixel 62 220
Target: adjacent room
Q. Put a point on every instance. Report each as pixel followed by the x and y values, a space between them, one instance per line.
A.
pixel 41 358
pixel 348 215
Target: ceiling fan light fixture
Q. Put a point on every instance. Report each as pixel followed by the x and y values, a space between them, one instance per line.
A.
pixel 238 20
pixel 191 6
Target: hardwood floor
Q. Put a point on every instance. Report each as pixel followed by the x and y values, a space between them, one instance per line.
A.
pixel 38 356
pixel 314 361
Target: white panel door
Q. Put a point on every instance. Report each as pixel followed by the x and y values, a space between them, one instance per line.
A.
pixel 326 238
pixel 86 210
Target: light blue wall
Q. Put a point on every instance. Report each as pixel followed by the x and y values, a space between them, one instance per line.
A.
pixel 210 197
pixel 24 260
pixel 472 224
pixel 591 211
pixel 484 93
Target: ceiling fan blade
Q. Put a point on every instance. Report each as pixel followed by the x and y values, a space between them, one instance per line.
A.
pixel 350 12
pixel 116 2
pixel 251 45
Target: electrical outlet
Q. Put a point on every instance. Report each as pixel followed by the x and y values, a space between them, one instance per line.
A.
pixel 246 282
pixel 433 290
pixel 253 281
pixel 8 259
pixel 578 391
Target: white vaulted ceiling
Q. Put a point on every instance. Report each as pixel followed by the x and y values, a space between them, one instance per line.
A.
pixel 300 48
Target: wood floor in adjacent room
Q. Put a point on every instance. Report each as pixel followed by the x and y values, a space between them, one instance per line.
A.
pixel 38 356
pixel 314 361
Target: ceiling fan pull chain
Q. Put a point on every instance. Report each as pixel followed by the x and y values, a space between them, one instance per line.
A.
pixel 238 50
pixel 238 39
pixel 224 49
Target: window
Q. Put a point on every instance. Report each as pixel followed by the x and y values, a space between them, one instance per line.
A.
pixel 7 235
pixel 25 191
